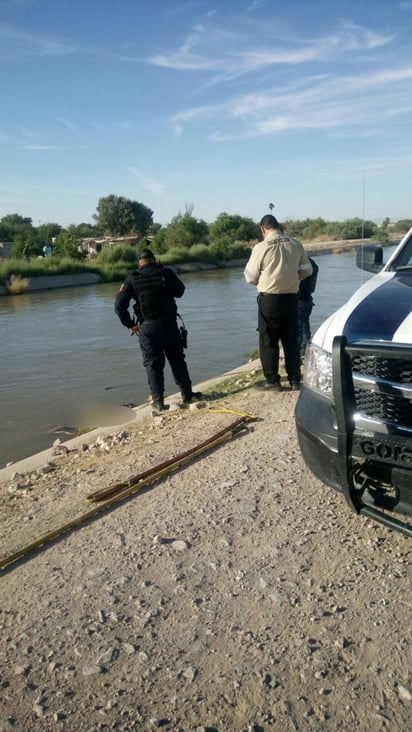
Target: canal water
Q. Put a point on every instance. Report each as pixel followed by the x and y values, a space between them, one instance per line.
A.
pixel 66 359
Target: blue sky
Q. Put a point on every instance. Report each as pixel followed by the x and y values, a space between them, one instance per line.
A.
pixel 223 106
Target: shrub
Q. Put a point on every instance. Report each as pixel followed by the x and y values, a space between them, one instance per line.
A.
pixel 109 255
pixel 113 272
pixel 158 243
pixel 175 255
pixel 202 253
pixel 44 267
pixel 221 248
pixel 224 249
pixel 239 250
pixel 16 284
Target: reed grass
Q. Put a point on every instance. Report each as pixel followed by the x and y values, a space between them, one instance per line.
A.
pixel 113 264
pixel 17 284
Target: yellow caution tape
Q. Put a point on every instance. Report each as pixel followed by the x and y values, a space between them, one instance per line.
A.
pixel 223 410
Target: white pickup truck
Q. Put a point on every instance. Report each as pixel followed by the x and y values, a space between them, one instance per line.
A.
pixel 354 412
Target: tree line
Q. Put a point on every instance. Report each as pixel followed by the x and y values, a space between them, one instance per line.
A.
pixel 117 216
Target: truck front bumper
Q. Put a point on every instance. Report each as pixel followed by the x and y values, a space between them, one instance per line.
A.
pixel 372 472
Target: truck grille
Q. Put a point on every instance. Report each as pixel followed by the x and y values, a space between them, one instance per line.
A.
pixel 382 380
pixel 384 407
pixel 396 369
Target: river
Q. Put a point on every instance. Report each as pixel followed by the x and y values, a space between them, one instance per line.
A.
pixel 63 350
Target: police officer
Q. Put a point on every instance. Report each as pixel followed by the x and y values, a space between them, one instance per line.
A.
pixel 276 266
pixel 153 289
pixel 305 305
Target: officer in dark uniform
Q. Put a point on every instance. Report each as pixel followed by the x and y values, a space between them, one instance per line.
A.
pixel 153 289
pixel 305 305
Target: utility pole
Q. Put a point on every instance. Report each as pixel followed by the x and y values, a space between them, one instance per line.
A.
pixel 363 205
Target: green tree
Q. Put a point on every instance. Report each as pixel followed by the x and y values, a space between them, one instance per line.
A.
pixel 47 232
pixel 117 216
pixel 381 234
pixel 66 244
pixel 155 227
pixel 315 228
pixel 14 224
pixel 296 227
pixel 221 248
pixel 355 228
pixel 158 243
pixel 185 230
pixel 85 231
pixel 16 219
pixel 234 227
pixel 26 235
pixel 403 225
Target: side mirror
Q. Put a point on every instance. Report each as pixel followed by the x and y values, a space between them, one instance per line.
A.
pixel 370 258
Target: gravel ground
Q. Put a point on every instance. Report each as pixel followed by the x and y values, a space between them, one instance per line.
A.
pixel 236 593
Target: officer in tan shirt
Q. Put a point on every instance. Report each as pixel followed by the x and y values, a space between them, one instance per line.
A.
pixel 276 266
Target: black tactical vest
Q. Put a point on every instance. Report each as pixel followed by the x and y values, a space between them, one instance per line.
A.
pixel 151 292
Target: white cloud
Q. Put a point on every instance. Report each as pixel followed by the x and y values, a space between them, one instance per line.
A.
pixel 147 183
pixel 33 43
pixel 315 102
pixel 67 123
pixel 229 54
pixel 190 115
pixel 39 147
pixel 255 5
pixel 220 137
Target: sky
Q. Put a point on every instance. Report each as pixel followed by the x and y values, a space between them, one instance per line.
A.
pixel 206 106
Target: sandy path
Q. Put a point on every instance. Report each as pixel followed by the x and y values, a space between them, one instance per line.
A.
pixel 235 594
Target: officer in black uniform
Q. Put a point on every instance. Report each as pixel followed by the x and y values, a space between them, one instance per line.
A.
pixel 153 289
pixel 305 305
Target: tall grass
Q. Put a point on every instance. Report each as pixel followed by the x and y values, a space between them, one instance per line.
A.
pixel 176 255
pixel 112 255
pixel 16 284
pixel 43 267
pixel 113 263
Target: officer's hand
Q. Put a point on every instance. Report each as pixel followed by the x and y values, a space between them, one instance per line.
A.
pixel 135 329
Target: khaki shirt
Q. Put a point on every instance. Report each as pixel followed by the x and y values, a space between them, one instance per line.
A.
pixel 277 264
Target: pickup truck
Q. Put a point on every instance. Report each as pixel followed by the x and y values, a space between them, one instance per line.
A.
pixel 354 412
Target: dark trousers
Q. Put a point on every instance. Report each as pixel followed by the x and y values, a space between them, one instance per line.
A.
pixel 304 334
pixel 278 321
pixel 160 340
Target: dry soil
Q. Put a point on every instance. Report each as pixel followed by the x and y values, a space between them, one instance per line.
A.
pixel 236 593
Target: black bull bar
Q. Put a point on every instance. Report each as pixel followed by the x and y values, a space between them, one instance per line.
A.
pixel 359 484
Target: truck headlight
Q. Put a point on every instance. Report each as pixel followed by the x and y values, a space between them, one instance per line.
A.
pixel 317 373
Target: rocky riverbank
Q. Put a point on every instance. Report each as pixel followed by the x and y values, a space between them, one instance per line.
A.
pixel 234 594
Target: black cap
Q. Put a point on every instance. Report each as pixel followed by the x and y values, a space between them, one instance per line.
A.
pixel 146 254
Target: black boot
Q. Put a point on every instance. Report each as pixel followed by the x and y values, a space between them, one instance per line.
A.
pixel 194 396
pixel 158 405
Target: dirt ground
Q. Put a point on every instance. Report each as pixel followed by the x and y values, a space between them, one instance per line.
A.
pixel 236 593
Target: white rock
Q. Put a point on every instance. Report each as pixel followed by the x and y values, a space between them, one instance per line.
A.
pixel 405 692
pixel 180 545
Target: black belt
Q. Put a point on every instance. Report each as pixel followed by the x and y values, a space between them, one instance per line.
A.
pixel 274 294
